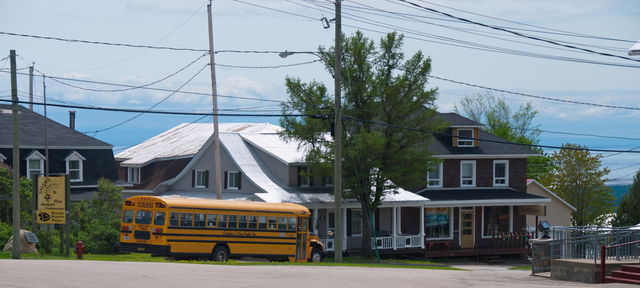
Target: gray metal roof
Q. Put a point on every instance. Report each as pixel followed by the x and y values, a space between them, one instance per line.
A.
pixel 31 132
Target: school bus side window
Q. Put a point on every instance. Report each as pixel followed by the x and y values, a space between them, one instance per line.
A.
pixel 253 222
pixel 222 223
pixel 292 224
pixel 262 222
pixel 159 218
pixel 242 222
pixel 143 217
pixel 198 220
pixel 272 222
pixel 186 220
pixel 212 220
pixel 173 221
pixel 282 223
pixel 127 216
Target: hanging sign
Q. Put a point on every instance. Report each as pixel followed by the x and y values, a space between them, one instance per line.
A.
pixel 51 200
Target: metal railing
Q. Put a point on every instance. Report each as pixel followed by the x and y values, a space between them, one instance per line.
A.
pixel 623 251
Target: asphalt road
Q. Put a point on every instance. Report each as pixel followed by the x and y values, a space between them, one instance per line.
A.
pixel 68 274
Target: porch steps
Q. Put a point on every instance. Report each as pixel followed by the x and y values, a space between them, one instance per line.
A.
pixel 629 274
pixel 492 259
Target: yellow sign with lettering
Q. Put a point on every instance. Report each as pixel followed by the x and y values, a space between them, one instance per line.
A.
pixel 51 200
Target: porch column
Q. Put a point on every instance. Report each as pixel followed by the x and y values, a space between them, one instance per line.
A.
pixel 314 220
pixel 421 226
pixel 344 228
pixel 394 226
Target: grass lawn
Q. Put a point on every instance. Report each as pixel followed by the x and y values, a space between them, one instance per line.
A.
pixel 347 261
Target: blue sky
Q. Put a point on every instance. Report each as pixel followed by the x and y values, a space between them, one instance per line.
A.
pixel 245 25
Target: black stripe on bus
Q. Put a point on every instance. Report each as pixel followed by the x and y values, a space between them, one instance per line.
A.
pixel 221 236
pixel 235 210
pixel 236 242
pixel 232 229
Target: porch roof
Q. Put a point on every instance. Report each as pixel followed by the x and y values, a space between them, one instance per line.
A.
pixel 480 196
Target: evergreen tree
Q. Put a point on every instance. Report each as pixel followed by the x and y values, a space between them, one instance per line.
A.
pixel 628 213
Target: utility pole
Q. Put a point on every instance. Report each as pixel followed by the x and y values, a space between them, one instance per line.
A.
pixel 337 138
pixel 16 158
pixel 214 97
pixel 31 87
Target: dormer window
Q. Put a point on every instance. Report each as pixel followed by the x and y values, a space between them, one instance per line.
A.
pixel 35 164
pixel 465 137
pixel 74 167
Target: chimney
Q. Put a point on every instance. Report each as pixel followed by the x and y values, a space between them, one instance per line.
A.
pixel 72 120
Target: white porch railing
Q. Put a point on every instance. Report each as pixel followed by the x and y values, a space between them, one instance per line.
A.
pixel 405 241
pixel 328 244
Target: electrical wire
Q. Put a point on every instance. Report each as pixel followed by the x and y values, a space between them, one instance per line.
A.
pixel 268 67
pixel 517 33
pixel 535 96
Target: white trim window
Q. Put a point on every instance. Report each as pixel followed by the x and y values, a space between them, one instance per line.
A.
pixel 496 220
pixel 201 178
pixel 468 173
pixel 465 137
pixel 133 175
pixel 500 172
pixel 74 167
pixel 35 164
pixel 438 223
pixel 434 177
pixel 232 180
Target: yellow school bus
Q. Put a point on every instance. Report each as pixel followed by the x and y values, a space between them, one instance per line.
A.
pixel 183 227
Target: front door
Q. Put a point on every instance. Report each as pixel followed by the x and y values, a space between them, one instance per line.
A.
pixel 467 236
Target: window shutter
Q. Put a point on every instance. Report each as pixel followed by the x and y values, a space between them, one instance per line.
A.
pixel 225 179
pixel 193 178
pixel 238 179
pixel 206 178
pixel 349 215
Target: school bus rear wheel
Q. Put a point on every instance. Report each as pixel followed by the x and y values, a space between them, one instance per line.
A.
pixel 220 254
pixel 316 255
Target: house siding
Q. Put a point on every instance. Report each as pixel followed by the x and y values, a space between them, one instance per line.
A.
pixel 155 173
pixel 278 169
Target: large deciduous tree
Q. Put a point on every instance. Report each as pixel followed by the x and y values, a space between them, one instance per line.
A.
pixel 382 92
pixel 628 213
pixel 515 126
pixel 578 177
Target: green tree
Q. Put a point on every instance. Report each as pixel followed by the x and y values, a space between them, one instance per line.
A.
pixel 628 213
pixel 379 86
pixel 97 221
pixel 578 177
pixel 515 126
pixel 6 202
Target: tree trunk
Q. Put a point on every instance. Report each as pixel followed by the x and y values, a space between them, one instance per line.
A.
pixel 366 232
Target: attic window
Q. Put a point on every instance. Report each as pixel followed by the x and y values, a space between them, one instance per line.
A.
pixel 35 164
pixel 465 137
pixel 133 174
pixel 74 166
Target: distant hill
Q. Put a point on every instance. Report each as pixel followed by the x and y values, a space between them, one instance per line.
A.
pixel 619 191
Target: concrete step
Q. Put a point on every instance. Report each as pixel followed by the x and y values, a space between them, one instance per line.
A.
pixel 625 274
pixel 630 268
pixel 609 279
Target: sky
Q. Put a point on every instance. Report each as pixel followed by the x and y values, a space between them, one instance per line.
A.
pixel 249 83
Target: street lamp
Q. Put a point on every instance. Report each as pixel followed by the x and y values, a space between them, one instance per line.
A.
pixel 634 50
pixel 337 160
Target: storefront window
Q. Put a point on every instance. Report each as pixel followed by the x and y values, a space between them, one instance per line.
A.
pixel 437 223
pixel 496 220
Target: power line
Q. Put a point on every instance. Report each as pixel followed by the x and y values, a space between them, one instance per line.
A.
pixel 128 88
pixel 268 67
pixel 148 88
pixel 153 106
pixel 104 43
pixel 484 140
pixel 164 112
pixel 518 33
pixel 535 96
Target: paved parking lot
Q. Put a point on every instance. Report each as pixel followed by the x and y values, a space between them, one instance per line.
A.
pixel 54 273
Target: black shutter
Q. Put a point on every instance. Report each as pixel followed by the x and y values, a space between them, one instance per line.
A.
pixel 193 178
pixel 225 180
pixel 206 178
pixel 349 215
pixel 238 180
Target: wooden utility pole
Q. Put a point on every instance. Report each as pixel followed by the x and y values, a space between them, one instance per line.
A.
pixel 16 158
pixel 214 97
pixel 337 138
pixel 31 87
